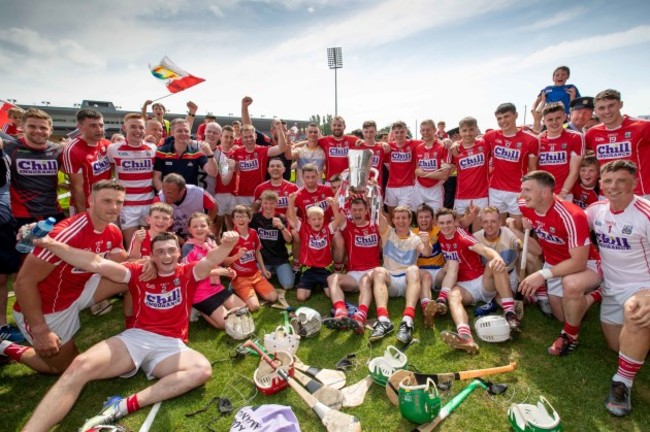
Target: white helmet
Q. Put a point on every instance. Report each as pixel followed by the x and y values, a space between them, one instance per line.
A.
pixel 280 340
pixel 307 321
pixel 239 324
pixel 492 328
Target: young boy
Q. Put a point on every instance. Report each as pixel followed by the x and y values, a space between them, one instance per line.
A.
pixel 471 162
pixel 160 219
pixel 586 191
pixel 315 245
pixel 247 261
pixel 560 91
pixel 12 127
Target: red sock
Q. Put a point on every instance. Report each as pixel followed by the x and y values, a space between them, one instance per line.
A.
pixel 424 302
pixel 382 312
pixel 362 312
pixel 508 304
pixel 409 312
pixel 627 369
pixel 542 293
pixel 339 309
pixel 444 292
pixel 339 267
pixel 464 331
pixel 597 295
pixel 15 351
pixel 132 404
pixel 571 331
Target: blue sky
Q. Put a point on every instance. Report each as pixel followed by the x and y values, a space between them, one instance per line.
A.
pixel 406 60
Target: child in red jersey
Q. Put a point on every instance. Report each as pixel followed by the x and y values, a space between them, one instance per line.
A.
pixel 246 260
pixel 585 191
pixel 13 126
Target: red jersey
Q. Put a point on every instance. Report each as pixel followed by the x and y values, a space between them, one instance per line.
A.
pixel 631 141
pixel 306 199
pixel 402 164
pixel 247 264
pixel 336 153
pixel 145 246
pixel 91 161
pixel 251 168
pixel 563 227
pixel 583 196
pixel 10 129
pixel 65 283
pixel 472 167
pixel 362 244
pixel 162 306
pixel 284 190
pixel 230 187
pixel 134 169
pixel 457 249
pixel 430 160
pixel 510 156
pixel 555 154
pixel 315 246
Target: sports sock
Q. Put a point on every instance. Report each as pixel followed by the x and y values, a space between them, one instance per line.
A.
pixel 127 406
pixel 571 331
pixel 597 295
pixel 362 312
pixel 409 312
pixel 382 314
pixel 508 304
pixel 12 350
pixel 408 320
pixel 424 302
pixel 339 309
pixel 542 293
pixel 444 292
pixel 464 331
pixel 627 369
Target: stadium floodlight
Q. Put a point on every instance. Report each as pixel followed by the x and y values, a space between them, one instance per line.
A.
pixel 335 61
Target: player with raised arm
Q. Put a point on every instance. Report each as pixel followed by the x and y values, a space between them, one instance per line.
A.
pixel 622 228
pixel 156 343
pixel 571 261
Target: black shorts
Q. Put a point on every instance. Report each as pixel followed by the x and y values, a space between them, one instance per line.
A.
pixel 212 303
pixel 312 277
pixel 9 256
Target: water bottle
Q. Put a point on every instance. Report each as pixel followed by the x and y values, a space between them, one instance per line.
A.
pixel 26 244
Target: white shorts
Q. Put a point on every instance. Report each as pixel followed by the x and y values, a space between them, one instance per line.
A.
pixel 226 202
pixel 505 202
pixel 400 196
pixel 65 324
pixel 245 200
pixel 134 216
pixel 358 274
pixel 475 288
pixel 397 287
pixel 147 349
pixel 514 280
pixel 433 272
pixel 434 196
pixel 461 204
pixel 554 285
pixel 611 309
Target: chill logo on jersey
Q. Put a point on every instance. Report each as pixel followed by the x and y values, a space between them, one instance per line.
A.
pixel 338 152
pixel 132 165
pixel 265 234
pixel 283 202
pixel 322 204
pixel 508 154
pixel 375 160
pixel 472 161
pixel 428 164
pixel 615 150
pixel 451 255
pixel 101 165
pixel 549 236
pixel 34 167
pixel 553 158
pixel 249 165
pixel 164 300
pixel 318 243
pixel 248 256
pixel 612 242
pixel 401 157
pixel 366 241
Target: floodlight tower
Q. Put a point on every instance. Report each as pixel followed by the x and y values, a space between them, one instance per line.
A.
pixel 335 61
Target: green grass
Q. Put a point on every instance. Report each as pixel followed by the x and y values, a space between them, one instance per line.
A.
pixel 575 385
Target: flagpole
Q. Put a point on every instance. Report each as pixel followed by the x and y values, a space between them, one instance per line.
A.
pixel 170 94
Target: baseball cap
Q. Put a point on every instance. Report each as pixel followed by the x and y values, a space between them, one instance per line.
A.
pixel 584 102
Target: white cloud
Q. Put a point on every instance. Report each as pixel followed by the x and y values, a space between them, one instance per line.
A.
pixel 561 17
pixel 216 10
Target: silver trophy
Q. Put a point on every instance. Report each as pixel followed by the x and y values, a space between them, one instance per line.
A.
pixel 356 179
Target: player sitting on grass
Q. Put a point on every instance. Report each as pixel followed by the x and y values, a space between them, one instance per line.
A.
pixel 468 281
pixel 156 343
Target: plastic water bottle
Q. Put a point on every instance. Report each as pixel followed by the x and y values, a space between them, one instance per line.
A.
pixel 26 244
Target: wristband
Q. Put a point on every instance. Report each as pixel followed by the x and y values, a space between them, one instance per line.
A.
pixel 191 115
pixel 210 156
pixel 546 273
